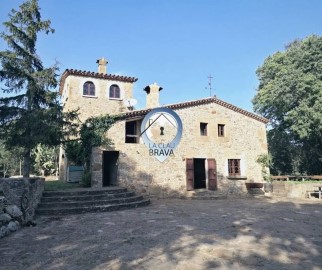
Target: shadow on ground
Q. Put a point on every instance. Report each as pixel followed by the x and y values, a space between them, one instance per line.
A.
pixel 256 233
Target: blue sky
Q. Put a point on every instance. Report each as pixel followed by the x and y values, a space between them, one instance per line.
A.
pixel 176 43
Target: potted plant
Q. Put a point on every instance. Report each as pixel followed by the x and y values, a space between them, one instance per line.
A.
pixel 250 185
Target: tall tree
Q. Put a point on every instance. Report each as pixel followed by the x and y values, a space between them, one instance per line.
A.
pixel 31 113
pixel 290 95
pixel 10 161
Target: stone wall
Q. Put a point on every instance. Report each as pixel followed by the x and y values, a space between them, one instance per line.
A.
pixel 11 217
pixel 293 189
pixel 25 193
pixel 245 139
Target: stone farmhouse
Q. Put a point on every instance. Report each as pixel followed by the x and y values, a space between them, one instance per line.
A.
pixel 217 151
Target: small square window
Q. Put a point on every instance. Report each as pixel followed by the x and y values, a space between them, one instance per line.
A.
pixel 234 167
pixel 221 130
pixel 132 131
pixel 203 129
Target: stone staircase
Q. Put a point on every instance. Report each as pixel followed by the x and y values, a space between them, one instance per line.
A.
pixel 81 200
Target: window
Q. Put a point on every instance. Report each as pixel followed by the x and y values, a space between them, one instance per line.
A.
pixel 221 130
pixel 203 129
pixel 132 132
pixel 89 89
pixel 234 167
pixel 115 91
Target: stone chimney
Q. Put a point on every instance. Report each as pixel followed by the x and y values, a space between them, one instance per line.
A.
pixel 102 65
pixel 152 98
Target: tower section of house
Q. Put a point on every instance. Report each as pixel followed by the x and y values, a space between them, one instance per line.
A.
pixel 94 94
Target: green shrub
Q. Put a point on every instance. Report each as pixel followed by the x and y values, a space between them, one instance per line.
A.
pixel 86 179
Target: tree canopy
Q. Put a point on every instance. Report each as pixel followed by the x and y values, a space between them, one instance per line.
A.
pixel 290 95
pixel 31 113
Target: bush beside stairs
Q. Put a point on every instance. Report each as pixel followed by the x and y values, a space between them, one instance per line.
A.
pixel 81 200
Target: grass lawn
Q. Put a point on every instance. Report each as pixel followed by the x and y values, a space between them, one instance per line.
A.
pixel 305 181
pixel 59 185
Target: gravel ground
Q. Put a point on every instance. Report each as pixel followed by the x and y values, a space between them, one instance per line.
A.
pixel 249 233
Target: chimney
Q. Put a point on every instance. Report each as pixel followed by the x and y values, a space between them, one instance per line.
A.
pixel 102 65
pixel 152 98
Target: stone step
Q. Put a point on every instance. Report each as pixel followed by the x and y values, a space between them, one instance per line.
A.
pixel 84 191
pixel 88 209
pixel 68 204
pixel 81 200
pixel 90 197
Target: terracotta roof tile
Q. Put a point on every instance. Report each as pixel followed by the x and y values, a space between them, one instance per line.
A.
pixel 138 113
pixel 90 74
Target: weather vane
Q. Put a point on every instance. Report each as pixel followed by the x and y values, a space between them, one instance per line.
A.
pixel 209 84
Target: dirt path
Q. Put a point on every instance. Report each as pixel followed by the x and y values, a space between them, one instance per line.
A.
pixel 257 233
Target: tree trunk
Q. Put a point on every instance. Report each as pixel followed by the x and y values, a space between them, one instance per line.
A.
pixel 4 171
pixel 26 163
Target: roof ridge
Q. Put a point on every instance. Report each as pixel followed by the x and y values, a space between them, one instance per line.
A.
pixel 200 102
pixel 93 74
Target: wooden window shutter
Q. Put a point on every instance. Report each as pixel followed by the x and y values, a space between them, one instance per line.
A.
pixel 189 173
pixel 212 174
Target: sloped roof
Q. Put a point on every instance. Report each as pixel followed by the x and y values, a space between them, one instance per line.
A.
pixel 141 113
pixel 95 75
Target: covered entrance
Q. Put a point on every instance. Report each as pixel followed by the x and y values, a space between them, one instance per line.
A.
pixel 110 159
pixel 200 172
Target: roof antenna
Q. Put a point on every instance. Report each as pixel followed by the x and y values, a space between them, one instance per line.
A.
pixel 209 84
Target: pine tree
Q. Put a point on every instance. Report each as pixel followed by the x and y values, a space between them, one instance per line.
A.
pixel 31 113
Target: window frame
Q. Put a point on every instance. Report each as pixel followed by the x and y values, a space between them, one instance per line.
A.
pixel 234 168
pixel 88 91
pixel 112 89
pixel 203 129
pixel 135 137
pixel 221 130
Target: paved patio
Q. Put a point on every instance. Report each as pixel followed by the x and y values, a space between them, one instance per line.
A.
pixel 255 233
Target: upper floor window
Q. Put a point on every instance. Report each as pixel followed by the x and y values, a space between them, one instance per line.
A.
pixel 203 129
pixel 115 91
pixel 89 89
pixel 234 167
pixel 221 130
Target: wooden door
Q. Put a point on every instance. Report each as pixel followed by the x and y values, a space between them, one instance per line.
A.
pixel 212 174
pixel 189 173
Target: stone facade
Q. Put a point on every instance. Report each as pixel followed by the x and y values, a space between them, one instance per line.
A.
pixel 243 139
